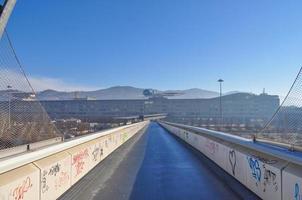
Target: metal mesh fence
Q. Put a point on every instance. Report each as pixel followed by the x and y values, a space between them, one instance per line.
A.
pixel 22 118
pixel 286 124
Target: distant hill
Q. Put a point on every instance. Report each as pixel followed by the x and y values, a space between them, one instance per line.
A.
pixel 118 92
pixel 122 92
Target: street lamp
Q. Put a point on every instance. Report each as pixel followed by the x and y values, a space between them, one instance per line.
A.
pixel 220 101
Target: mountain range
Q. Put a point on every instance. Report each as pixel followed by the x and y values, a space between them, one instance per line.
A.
pixel 124 92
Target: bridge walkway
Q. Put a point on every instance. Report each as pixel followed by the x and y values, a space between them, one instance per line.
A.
pixel 156 165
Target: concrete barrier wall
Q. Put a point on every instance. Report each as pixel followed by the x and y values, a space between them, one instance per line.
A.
pixel 268 177
pixel 292 182
pixel 21 183
pixel 48 178
pixel 55 174
pixel 80 162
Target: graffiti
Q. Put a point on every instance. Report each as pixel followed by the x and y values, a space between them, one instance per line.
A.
pixel 63 179
pixel 95 153
pixel 255 167
pixel 78 161
pixel 19 192
pixel 269 179
pixel 265 160
pixel 102 153
pixel 233 160
pixel 45 186
pixel 211 146
pixel 297 195
pixel 54 170
pixel 125 136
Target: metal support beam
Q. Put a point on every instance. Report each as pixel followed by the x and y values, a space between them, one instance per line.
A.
pixel 7 9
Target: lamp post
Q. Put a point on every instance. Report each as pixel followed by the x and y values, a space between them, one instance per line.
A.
pixel 220 101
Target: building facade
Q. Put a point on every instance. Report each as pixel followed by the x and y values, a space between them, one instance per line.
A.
pixel 236 108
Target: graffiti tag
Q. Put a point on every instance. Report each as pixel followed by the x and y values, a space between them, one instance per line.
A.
pixel 45 186
pixel 211 146
pixel 54 170
pixel 125 136
pixel 232 160
pixel 78 161
pixel 297 194
pixel 255 168
pixel 19 192
pixel 95 153
pixel 63 179
pixel 265 160
pixel 269 179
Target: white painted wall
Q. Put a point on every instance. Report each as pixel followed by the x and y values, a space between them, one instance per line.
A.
pixel 260 173
pixel 236 164
pixel 54 175
pixel 264 176
pixel 22 183
pixel 50 176
pixel 80 162
pixel 292 182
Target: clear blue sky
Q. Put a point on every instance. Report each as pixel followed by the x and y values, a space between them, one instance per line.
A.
pixel 164 44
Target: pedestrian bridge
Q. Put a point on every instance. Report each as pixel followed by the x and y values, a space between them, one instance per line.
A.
pixel 144 160
pixel 151 160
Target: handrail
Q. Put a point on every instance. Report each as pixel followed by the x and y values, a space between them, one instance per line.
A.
pixel 263 147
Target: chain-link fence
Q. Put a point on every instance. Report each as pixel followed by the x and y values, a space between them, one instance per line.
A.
pixel 248 115
pixel 286 124
pixel 22 118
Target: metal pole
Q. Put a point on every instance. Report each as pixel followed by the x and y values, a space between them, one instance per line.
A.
pixel 9 100
pixel 9 110
pixel 5 13
pixel 220 101
pixel 144 107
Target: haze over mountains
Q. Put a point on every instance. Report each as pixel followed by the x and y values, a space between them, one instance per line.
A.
pixel 123 92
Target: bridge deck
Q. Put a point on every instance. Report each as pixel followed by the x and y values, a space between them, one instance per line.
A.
pixel 156 165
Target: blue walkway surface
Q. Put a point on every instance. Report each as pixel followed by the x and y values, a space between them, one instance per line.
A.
pixel 154 165
pixel 172 171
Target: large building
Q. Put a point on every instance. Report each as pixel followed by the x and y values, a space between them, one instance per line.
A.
pixel 236 108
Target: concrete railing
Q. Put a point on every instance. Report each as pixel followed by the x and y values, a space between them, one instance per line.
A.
pixel 270 172
pixel 49 172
